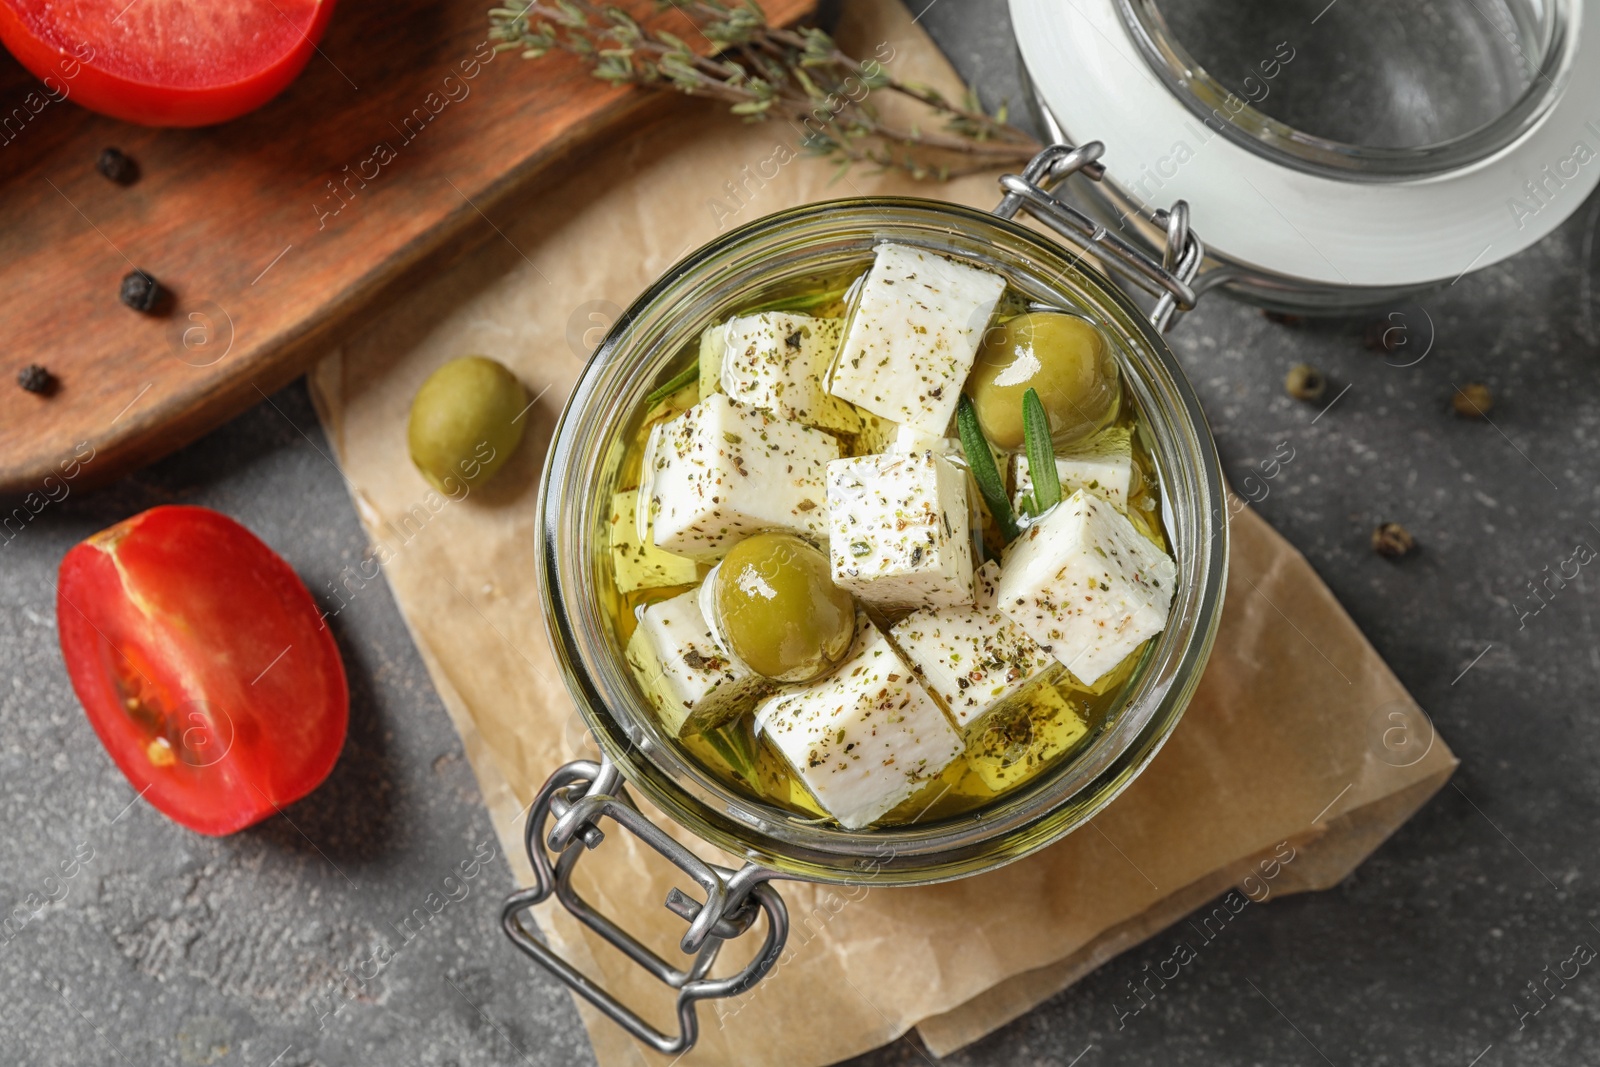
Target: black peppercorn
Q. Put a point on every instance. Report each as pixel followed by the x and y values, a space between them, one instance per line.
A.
pixel 35 379
pixel 141 291
pixel 1392 540
pixel 118 167
pixel 1305 383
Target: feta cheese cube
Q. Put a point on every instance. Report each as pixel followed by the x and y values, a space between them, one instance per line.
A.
pixel 864 738
pixel 910 439
pixel 986 586
pixel 913 336
pixel 713 341
pixel 722 471
pixel 1086 585
pixel 973 660
pixel 776 361
pixel 685 671
pixel 636 561
pixel 1104 466
pixel 898 530
pixel 1010 747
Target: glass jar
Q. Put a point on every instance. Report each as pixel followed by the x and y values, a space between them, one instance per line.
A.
pixel 1339 154
pixel 735 272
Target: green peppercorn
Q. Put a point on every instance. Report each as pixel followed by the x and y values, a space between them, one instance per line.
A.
pixel 1472 401
pixel 1305 382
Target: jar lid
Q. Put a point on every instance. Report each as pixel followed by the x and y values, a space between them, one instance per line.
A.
pixel 1392 197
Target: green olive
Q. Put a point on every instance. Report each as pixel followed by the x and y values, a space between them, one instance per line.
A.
pixel 778 610
pixel 465 422
pixel 1063 357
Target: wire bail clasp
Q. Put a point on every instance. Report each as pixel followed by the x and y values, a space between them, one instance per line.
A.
pixel 581 793
pixel 1168 279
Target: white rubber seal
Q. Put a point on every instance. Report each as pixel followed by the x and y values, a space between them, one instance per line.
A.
pixel 1261 213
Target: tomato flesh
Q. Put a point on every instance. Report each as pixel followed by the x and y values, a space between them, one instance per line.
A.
pixel 165 62
pixel 203 665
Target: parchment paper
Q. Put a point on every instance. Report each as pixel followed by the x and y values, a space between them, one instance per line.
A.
pixel 1299 755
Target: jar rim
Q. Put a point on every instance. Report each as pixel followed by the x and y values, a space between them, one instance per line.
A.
pixel 1202 93
pixel 575 494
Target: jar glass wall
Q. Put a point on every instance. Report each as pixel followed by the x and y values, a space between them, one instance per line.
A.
pixel 581 473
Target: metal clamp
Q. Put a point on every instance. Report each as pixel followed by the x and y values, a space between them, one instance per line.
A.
pixel 1169 279
pixel 580 794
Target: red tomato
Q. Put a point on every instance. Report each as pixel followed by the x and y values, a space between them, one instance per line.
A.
pixel 203 665
pixel 165 62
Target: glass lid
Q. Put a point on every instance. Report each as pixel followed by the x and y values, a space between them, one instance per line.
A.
pixel 1335 153
pixel 1367 88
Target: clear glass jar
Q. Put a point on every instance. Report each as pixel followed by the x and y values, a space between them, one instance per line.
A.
pixel 1338 154
pixel 581 472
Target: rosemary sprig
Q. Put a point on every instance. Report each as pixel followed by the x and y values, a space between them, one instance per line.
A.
pixel 763 72
pixel 1041 452
pixel 735 745
pixel 980 460
pixel 672 385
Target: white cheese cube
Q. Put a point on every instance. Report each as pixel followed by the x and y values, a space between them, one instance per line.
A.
pixel 913 336
pixel 776 361
pixel 1104 466
pixel 635 560
pixel 1010 747
pixel 898 530
pixel 722 471
pixel 864 738
pixel 910 439
pixel 973 660
pixel 1086 585
pixel 685 671
pixel 712 342
pixel 986 586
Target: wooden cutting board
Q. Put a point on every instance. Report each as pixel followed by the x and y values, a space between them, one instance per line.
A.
pixel 397 143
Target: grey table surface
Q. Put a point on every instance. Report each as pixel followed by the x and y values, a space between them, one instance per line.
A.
pixel 167 947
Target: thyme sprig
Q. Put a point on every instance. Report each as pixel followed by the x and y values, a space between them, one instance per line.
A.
pixel 765 72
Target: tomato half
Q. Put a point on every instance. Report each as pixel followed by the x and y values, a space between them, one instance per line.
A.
pixel 203 665
pixel 164 62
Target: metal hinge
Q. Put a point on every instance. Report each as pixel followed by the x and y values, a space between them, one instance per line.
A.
pixel 1168 279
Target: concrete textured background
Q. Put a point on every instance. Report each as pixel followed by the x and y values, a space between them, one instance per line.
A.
pixel 167 947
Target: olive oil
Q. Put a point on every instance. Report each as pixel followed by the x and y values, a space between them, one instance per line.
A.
pixel 1012 745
